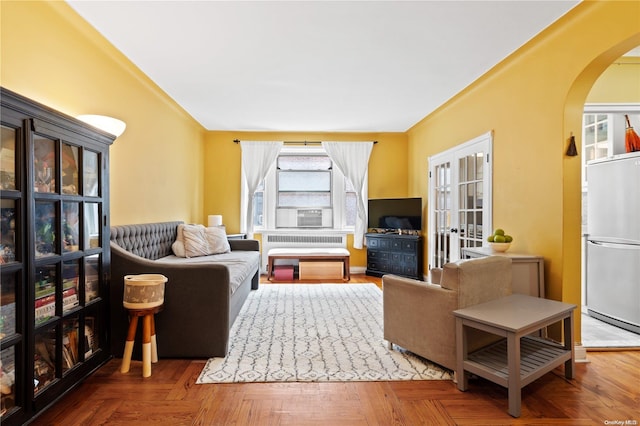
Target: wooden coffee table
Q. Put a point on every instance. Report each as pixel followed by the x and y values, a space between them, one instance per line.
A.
pixel 519 358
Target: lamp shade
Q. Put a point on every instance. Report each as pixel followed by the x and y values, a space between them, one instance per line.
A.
pixel 215 220
pixel 108 124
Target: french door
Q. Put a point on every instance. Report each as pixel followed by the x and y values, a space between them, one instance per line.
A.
pixel 459 210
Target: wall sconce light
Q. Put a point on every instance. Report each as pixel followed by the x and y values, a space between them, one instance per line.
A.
pixel 108 124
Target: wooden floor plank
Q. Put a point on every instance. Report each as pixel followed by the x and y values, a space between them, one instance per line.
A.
pixel 605 389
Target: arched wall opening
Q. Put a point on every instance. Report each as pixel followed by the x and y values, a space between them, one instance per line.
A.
pixel 572 169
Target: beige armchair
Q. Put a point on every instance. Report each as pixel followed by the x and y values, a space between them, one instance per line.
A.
pixel 418 315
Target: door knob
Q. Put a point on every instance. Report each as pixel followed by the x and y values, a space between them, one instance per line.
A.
pixel 454 230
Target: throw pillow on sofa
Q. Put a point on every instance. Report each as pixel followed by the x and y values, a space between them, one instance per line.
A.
pixel 195 241
pixel 178 245
pixel 217 239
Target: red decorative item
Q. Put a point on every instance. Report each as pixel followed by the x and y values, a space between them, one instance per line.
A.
pixel 631 138
pixel 283 272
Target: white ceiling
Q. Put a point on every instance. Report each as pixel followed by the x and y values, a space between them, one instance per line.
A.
pixel 365 66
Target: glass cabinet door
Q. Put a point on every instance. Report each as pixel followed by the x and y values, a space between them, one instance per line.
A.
pixel 11 271
pixel 67 244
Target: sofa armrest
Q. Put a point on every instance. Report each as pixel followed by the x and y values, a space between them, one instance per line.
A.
pixel 246 245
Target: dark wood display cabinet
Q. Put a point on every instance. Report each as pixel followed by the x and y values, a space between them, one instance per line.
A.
pixel 54 254
pixel 394 254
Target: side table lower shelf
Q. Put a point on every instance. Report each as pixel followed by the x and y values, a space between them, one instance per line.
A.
pixel 537 357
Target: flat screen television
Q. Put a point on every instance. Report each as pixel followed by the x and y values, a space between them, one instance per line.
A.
pixel 395 213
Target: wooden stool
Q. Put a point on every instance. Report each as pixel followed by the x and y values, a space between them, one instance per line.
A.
pixel 149 345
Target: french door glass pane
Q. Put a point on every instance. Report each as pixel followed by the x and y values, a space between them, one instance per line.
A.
pixel 470 200
pixel 442 214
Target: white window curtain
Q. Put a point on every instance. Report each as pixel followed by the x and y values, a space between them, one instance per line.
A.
pixel 352 158
pixel 257 159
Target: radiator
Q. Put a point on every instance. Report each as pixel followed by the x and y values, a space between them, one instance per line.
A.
pixel 300 240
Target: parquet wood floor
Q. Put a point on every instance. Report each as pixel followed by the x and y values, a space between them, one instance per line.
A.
pixel 605 390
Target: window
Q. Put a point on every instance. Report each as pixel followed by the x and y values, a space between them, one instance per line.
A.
pixel 304 191
pixel 304 181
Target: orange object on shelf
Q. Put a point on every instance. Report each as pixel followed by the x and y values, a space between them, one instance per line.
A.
pixel 631 138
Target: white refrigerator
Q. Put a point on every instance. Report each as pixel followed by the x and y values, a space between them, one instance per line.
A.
pixel 613 240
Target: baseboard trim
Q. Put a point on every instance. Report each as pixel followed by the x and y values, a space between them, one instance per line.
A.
pixel 580 354
pixel 357 270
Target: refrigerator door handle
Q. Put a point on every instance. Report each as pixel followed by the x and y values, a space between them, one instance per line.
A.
pixel 615 246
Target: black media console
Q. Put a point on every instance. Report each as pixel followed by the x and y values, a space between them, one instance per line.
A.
pixel 394 254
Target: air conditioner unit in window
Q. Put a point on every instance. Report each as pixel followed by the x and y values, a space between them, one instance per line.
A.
pixel 309 218
pixel 304 218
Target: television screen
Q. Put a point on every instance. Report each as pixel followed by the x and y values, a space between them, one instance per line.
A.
pixel 395 213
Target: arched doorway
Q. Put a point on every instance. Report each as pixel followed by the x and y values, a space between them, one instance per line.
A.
pixel 580 94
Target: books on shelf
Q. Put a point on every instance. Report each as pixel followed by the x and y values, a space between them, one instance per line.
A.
pixel 70 347
pixel 90 341
pixel 45 306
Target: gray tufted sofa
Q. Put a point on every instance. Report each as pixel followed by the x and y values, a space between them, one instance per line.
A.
pixel 203 295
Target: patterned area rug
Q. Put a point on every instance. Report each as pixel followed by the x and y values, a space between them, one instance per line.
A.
pixel 314 333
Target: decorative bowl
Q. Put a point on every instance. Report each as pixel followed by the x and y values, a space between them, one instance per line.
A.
pixel 499 247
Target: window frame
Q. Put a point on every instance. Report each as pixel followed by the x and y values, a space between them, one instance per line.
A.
pixel 270 195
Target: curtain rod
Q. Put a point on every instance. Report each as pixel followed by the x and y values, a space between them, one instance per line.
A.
pixel 298 142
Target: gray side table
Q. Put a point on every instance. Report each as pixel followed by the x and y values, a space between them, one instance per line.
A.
pixel 519 358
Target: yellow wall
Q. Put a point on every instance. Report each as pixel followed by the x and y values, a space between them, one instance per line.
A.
pixel 387 171
pixel 53 56
pixel 620 83
pixel 533 101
